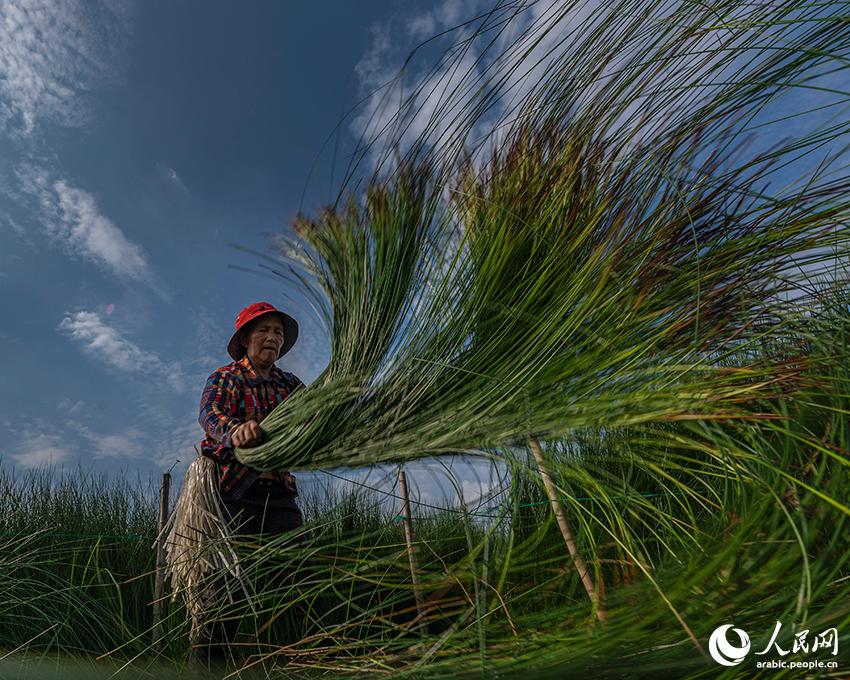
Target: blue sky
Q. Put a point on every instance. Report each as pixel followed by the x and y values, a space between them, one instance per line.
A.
pixel 137 140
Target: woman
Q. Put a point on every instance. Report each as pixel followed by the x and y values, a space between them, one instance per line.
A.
pixel 235 400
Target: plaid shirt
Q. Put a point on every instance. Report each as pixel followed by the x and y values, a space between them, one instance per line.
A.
pixel 235 394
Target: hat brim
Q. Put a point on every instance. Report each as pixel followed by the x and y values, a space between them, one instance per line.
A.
pixel 290 335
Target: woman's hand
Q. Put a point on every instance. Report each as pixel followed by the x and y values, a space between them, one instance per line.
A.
pixel 247 435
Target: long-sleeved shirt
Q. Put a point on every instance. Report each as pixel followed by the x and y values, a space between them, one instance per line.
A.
pixel 235 394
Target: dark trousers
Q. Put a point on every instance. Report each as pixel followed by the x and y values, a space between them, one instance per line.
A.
pixel 261 512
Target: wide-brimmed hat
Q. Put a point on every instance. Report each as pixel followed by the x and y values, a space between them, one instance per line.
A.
pixel 254 311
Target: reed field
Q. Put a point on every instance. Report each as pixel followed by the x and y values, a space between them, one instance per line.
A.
pixel 601 256
pixel 686 528
pixel 78 566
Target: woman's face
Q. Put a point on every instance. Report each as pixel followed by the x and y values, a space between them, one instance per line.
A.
pixel 264 339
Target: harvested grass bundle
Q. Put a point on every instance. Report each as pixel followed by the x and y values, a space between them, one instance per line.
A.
pixel 198 543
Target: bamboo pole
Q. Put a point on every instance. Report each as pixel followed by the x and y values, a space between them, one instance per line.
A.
pixel 411 548
pixel 567 532
pixel 160 560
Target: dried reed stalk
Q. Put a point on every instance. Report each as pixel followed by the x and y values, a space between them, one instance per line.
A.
pixel 198 542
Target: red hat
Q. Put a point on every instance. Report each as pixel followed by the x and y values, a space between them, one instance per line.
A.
pixel 253 311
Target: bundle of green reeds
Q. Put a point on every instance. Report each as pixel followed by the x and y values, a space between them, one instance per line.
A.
pixel 595 266
pixel 601 274
pixel 602 269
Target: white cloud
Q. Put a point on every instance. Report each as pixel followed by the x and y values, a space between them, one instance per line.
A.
pixel 177 443
pixel 70 405
pixel 490 65
pixel 8 223
pixel 422 26
pixel 37 449
pixel 311 354
pixel 170 176
pixel 472 491
pixel 52 54
pixel 40 441
pixel 208 349
pixel 17 228
pixel 211 338
pixel 408 105
pixel 85 229
pixel 431 482
pixel 107 345
pixel 128 443
pixel 443 17
pixel 498 58
pixel 493 55
pixel 74 223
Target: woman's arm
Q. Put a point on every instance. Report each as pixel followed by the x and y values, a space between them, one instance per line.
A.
pixel 218 411
pixel 217 416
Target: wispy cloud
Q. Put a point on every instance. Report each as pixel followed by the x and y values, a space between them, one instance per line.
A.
pixel 211 338
pixel 127 443
pixel 106 344
pixel 38 442
pixel 492 58
pixel 499 52
pixel 176 433
pixel 178 442
pixel 71 406
pixel 445 15
pixel 171 178
pixel 52 54
pixel 8 223
pixel 38 449
pixel 208 348
pixel 472 481
pixel 74 223
pixel 17 228
pixel 404 100
pixel 311 353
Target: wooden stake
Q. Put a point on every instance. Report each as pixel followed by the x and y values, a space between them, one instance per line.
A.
pixel 567 532
pixel 160 561
pixel 411 548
